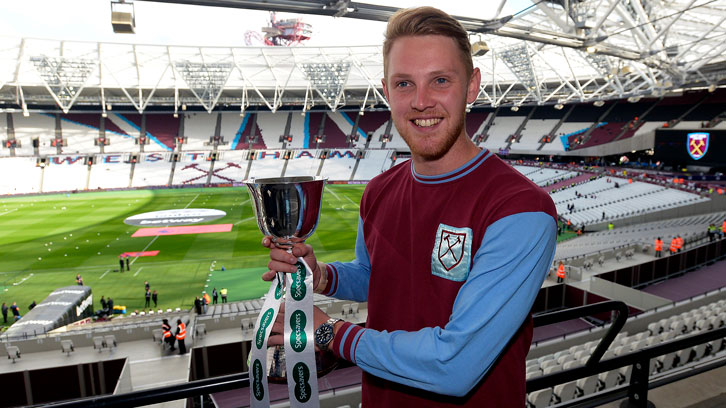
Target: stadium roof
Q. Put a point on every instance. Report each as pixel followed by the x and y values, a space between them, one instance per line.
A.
pixel 553 52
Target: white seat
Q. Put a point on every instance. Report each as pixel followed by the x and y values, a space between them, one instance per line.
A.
pixel 67 347
pixel 13 352
pixel 548 363
pixel 587 385
pixel 665 362
pixel 699 351
pixel 608 379
pixel 552 369
pixel 98 343
pixel 566 391
pixel 540 398
pixel 110 341
pixel 200 330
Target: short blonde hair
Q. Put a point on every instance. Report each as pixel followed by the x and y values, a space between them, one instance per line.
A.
pixel 426 21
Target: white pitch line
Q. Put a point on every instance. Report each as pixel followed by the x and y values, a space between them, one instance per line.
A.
pixel 190 203
pixel 145 248
pixel 104 274
pixel 245 220
pixel 333 193
pixel 352 202
pixel 138 270
pixel 8 212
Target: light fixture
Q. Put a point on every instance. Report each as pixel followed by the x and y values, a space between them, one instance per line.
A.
pixel 103 115
pixel 123 20
pixel 479 48
pixel 514 108
pixel 176 115
pixel 108 106
pixel 591 49
pixel 559 106
pixel 598 103
pixel 712 88
pixel 184 106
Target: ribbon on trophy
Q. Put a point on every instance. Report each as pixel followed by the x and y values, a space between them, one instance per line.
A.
pixel 259 389
pixel 302 376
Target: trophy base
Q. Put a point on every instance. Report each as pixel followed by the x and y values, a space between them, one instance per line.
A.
pixel 276 367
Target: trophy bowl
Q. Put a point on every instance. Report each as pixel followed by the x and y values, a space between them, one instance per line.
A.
pixel 288 210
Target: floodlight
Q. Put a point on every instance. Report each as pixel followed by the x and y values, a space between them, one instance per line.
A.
pixel 559 106
pixel 598 103
pixel 123 20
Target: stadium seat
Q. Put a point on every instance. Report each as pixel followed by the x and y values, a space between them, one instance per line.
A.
pixel 587 385
pixel 200 330
pixel 565 392
pixel 110 341
pixel 13 352
pixel 354 307
pixel 540 398
pixel 665 362
pixel 67 347
pixel 98 343
pixel 157 335
pixel 609 379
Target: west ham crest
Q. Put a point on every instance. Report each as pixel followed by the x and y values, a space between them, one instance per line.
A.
pixel 697 144
pixel 452 253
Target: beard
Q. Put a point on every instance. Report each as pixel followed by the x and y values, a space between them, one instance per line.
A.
pixel 433 146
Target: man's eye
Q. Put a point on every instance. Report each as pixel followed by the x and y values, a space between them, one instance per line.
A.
pixel 402 84
pixel 441 81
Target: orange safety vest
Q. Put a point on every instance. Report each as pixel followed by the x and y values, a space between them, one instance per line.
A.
pixel 674 244
pixel 723 227
pixel 658 245
pixel 561 271
pixel 679 243
pixel 182 331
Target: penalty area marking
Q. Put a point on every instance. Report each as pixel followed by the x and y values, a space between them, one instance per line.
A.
pixel 22 280
pixel 104 274
pixel 138 270
pixel 333 193
pixel 8 212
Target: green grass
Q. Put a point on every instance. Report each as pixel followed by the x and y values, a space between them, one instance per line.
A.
pixel 47 240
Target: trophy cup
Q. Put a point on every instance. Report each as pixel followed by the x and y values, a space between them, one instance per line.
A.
pixel 287 209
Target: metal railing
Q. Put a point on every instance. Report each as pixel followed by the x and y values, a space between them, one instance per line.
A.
pixel 636 391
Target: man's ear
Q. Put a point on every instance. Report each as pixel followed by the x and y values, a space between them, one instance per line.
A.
pixel 473 87
pixel 385 89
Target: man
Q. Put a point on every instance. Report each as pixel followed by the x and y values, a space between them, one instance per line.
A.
pixel 198 305
pixel 658 247
pixel 155 297
pixel 674 245
pixel 214 296
pixel 5 313
pixel 147 297
pixel 166 334
pixel 441 256
pixel 223 292
pixel 181 334
pixel 16 311
pixel 121 263
pixel 126 258
pixel 32 305
pixel 561 272
pixel 110 306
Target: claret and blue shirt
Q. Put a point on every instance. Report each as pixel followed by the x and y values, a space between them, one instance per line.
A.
pixel 450 266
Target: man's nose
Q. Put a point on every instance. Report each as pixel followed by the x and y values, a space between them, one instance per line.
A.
pixel 423 99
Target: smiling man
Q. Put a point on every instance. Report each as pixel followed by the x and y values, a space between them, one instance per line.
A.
pixel 452 247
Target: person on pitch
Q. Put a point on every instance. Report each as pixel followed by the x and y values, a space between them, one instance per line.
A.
pixel 452 248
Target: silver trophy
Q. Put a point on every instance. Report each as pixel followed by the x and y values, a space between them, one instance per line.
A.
pixel 288 210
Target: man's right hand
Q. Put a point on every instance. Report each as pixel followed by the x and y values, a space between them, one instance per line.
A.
pixel 283 261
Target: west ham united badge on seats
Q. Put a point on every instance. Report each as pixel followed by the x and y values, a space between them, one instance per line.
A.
pixel 697 144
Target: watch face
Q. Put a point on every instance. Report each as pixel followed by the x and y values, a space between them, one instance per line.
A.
pixel 323 335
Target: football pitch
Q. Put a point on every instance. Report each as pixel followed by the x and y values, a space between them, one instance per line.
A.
pixel 45 241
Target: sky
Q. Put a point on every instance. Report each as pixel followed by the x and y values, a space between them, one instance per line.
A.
pixel 175 24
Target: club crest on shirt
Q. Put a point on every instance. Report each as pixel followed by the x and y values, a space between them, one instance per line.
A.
pixel 451 256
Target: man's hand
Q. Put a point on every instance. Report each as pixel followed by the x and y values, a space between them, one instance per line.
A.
pixel 283 261
pixel 278 328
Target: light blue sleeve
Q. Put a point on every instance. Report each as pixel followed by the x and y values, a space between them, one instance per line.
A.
pixel 507 273
pixel 351 278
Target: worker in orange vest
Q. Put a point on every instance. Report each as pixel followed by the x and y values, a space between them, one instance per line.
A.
pixel 166 334
pixel 561 272
pixel 658 247
pixel 723 228
pixel 674 245
pixel 679 243
pixel 181 334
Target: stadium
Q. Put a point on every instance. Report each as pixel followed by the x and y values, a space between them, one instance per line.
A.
pixel 617 109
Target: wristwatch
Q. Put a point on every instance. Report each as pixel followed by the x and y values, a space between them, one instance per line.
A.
pixel 324 334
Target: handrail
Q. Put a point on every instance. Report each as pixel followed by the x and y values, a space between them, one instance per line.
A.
pixel 582 311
